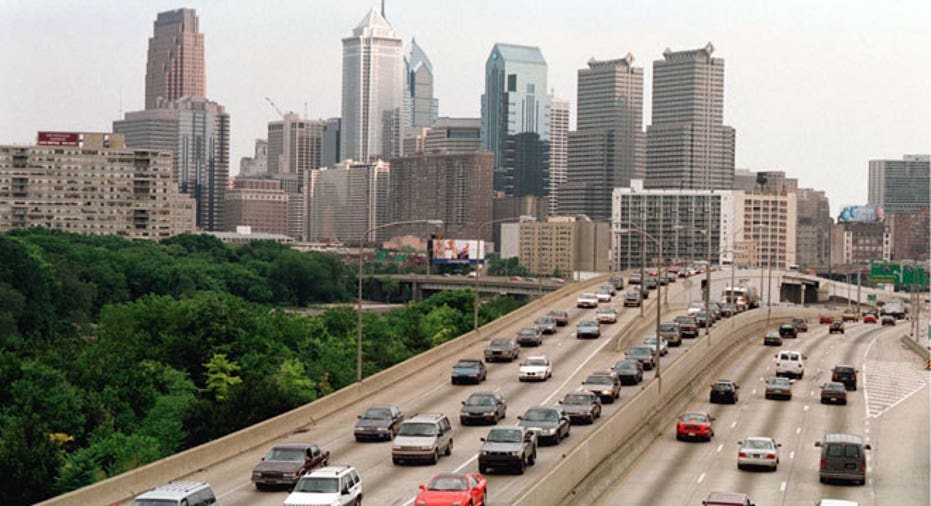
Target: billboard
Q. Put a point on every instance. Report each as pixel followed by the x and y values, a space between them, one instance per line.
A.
pixel 457 251
pixel 861 214
pixel 59 139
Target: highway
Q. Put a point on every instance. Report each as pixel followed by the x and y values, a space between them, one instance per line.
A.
pixel 430 391
pixel 890 409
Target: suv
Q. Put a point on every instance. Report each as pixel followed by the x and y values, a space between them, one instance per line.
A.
pixel 671 333
pixel 286 462
pixel 178 493
pixel 842 458
pixel 423 437
pixel 801 324
pixel 790 364
pixel 845 374
pixel 787 330
pixel 688 326
pixel 508 447
pixel 850 315
pixel 328 485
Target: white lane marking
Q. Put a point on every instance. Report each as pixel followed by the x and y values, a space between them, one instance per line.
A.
pixel 577 369
pixel 805 408
pixel 866 397
pixel 720 447
pixel 734 424
pixel 798 430
pixel 792 454
pixel 782 487
pixel 701 478
pixel 753 392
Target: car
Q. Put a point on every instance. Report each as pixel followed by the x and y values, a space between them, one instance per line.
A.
pixel 629 371
pixel 379 422
pixel 790 364
pixel 695 425
pixel 869 318
pixel 837 327
pixel 423 438
pixel 671 333
pixel 833 392
pixel 836 502
pixel 587 329
pixel 727 499
pixel 587 300
pixel 801 324
pixel 285 463
pixel 633 298
pixel 333 485
pixel 606 384
pixel 559 316
pixel 850 315
pixel 604 294
pixel 651 283
pixel 645 354
pixel 887 319
pixel 507 448
pixel 506 350
pixel 606 314
pixel 695 307
pixel 842 458
pixel 670 277
pixel 825 319
pixel 609 287
pixel 787 330
pixel 634 278
pixel 469 370
pixel 772 339
pixel 546 325
pixel 177 493
pixel 483 407
pixel 724 391
pixel 549 422
pixel 845 374
pixel 617 281
pixel 453 488
pixel 758 451
pixel 778 388
pixel 529 336
pixel 537 368
pixel 582 406
pixel 702 318
pixel 688 326
pixel 651 342
pixel 728 310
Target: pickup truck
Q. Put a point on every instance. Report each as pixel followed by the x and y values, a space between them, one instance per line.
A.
pixel 508 448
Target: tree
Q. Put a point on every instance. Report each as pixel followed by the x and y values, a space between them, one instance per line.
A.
pixel 29 461
pixel 221 376
pixel 293 382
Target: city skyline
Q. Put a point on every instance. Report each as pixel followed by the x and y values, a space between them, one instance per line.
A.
pixel 795 86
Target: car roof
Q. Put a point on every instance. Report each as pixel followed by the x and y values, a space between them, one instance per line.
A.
pixel 544 357
pixel 425 417
pixel 297 445
pixel 759 438
pixel 844 366
pixel 731 382
pixel 468 361
pixel 330 471
pixel 842 438
pixel 174 490
pixel 736 497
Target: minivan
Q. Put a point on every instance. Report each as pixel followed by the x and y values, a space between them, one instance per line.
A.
pixel 423 437
pixel 178 493
pixel 790 364
pixel 842 458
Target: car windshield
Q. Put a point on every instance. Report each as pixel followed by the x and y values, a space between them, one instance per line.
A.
pixel 417 429
pixel 650 341
pixel 779 382
pixel 668 327
pixel 500 343
pixel 447 483
pixel 504 436
pixel 541 415
pixel 577 399
pixel 640 350
pixel 588 323
pixel 772 334
pixel 759 444
pixel 545 320
pixel 155 502
pixel 528 332
pixel 468 365
pixel 377 414
pixel 480 400
pixel 787 326
pixel 723 387
pixel 834 387
pixel 684 319
pixel 625 366
pixel 694 417
pixel 599 380
pixel 843 370
pixel 286 455
pixel 317 485
pixel 535 361
pixel 633 294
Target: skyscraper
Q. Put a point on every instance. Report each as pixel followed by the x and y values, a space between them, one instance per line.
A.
pixel 331 134
pixel 345 201
pixel 295 145
pixel 373 84
pixel 175 67
pixel 688 146
pixel 901 186
pixel 606 151
pixel 559 149
pixel 422 108
pixel 516 119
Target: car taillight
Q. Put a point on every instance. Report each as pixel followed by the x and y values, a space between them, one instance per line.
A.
pixel 681 426
pixel 822 463
pixel 742 454
pixel 833 377
pixel 863 466
pixel 771 456
pixel 777 363
pixel 853 378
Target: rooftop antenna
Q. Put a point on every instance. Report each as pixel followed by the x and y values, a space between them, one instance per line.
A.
pixel 306 116
pixel 121 102
pixel 383 9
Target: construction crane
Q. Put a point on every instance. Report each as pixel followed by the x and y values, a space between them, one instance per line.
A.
pixel 275 107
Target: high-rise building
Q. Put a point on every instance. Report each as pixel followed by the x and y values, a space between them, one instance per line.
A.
pixel 373 87
pixel 295 145
pixel 196 131
pixel 260 204
pixel 561 245
pixel 257 164
pixel 910 235
pixel 559 150
pixel 344 201
pixel 766 229
pixel 516 119
pixel 859 243
pixel 453 187
pixel 422 108
pixel 331 151
pixel 175 67
pixel 688 146
pixel 91 183
pixel 606 151
pixel 813 232
pixel 901 186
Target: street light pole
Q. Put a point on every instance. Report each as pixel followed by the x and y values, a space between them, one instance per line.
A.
pixel 644 235
pixel 478 268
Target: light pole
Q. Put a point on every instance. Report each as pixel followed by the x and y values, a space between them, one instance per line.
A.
pixel 659 244
pixel 359 305
pixel 478 267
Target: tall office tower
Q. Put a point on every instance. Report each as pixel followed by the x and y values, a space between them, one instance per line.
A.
pixel 258 203
pixel 900 186
pixel 688 146
pixel 559 150
pixel 295 145
pixel 813 232
pixel 257 164
pixel 373 87
pixel 422 108
pixel 175 67
pixel 331 133
pixel 345 201
pixel 197 132
pixel 516 119
pixel 606 150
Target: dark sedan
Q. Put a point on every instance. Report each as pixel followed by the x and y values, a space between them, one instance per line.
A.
pixel 483 407
pixel 778 388
pixel 549 422
pixel 285 463
pixel 724 392
pixel 559 316
pixel 787 330
pixel 378 423
pixel 833 392
pixel 645 354
pixel 582 406
pixel 587 329
pixel 630 371
pixel 772 339
pixel 505 350
pixel 546 325
pixel 469 371
pixel 530 336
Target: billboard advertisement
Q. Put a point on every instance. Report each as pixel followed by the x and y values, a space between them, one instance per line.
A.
pixel 59 139
pixel 861 214
pixel 457 251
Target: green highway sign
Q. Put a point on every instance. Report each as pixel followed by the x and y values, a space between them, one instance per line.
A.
pixel 885 272
pixel 871 297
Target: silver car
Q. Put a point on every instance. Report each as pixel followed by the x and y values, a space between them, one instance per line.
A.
pixel 758 452
pixel 663 345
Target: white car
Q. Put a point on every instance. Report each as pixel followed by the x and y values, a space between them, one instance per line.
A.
pixel 696 307
pixel 606 314
pixel 758 452
pixel 603 295
pixel 836 502
pixel 663 344
pixel 537 368
pixel 328 485
pixel 790 364
pixel 587 300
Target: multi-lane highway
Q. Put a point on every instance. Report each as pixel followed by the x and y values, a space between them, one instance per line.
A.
pixel 890 410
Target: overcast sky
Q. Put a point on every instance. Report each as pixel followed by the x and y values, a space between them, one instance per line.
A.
pixel 814 88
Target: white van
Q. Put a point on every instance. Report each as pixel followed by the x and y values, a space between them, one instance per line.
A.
pixel 790 364
pixel 178 493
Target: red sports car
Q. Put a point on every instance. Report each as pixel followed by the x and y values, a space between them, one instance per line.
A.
pixel 827 320
pixel 453 488
pixel 869 318
pixel 695 425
